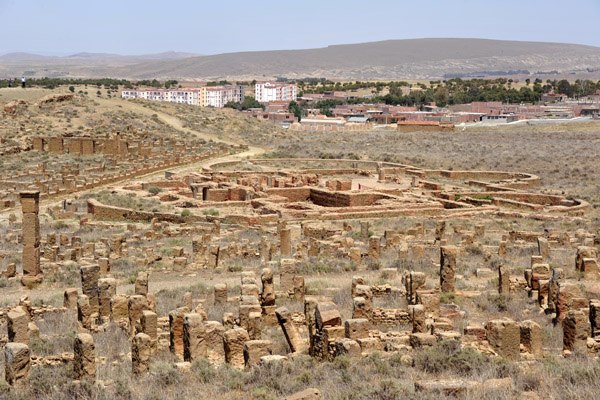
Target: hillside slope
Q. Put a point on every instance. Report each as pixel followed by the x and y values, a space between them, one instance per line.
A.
pixel 392 59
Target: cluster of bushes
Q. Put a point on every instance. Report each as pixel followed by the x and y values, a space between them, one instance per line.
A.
pixel 448 92
pixel 107 83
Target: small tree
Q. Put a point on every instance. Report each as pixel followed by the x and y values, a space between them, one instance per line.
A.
pixel 72 89
pixel 251 102
pixel 232 104
pixel 295 109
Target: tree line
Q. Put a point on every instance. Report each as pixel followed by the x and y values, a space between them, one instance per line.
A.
pixel 107 83
pixel 448 92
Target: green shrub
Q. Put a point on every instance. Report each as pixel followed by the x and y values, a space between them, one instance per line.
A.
pixel 449 356
pixel 203 370
pixel 155 190
pixel 234 268
pixel 263 393
pixel 447 297
pixel 211 211
pixel 373 266
pixel 165 373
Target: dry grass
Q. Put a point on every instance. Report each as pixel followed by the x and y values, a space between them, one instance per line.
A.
pixel 564 156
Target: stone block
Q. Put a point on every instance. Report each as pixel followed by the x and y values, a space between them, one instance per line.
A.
pixel 254 350
pixel 504 336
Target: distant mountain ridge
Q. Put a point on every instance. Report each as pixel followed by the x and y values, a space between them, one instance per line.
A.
pixel 167 55
pixel 432 58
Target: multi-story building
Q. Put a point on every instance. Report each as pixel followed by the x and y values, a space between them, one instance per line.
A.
pixel 215 96
pixel 186 96
pixel 267 92
pixel 218 96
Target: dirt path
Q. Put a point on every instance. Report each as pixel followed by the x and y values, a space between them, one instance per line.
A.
pixel 174 122
pixel 163 280
pixel 168 280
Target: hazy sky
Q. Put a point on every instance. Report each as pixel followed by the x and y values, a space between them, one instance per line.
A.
pixel 64 27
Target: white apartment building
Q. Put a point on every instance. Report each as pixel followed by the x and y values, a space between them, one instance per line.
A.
pixel 215 96
pixel 185 96
pixel 266 92
pixel 218 96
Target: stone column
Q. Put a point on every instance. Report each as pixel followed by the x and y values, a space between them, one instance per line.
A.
pixel 267 297
pixel 254 350
pixel 575 331
pixel 32 272
pixel 356 280
pixel 89 285
pixel 104 264
pixel 414 281
pixel 234 340
pixel 310 305
pixel 504 336
pixel 107 288
pixel 136 305
pixel 285 237
pixel 503 279
pixel 328 328
pixel 140 353
pixel 298 287
pixel 287 271
pixel 502 249
pixel 295 341
pixel 149 323
pixel 448 256
pixel 264 249
pixel 355 255
pixel 198 249
pixel 141 284
pixel 364 229
pixel 543 247
pixel 357 328
pixel 250 290
pixel 531 338
pixel 364 309
pixel 255 325
pixel 440 229
pixel 213 335
pixel 582 253
pixel 220 292
pixel 70 298
pixel 17 358
pixel 194 345
pixel 18 325
pixel 116 245
pixel 84 312
pixel 176 330
pixel 213 256
pixel 119 309
pixel 595 316
pixel 590 269
pixel 84 358
pixel 417 313
pixel 374 247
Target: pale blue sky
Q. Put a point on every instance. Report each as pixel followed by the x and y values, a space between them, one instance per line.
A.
pixel 150 26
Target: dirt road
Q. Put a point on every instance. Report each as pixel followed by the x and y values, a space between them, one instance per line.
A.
pixel 171 280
